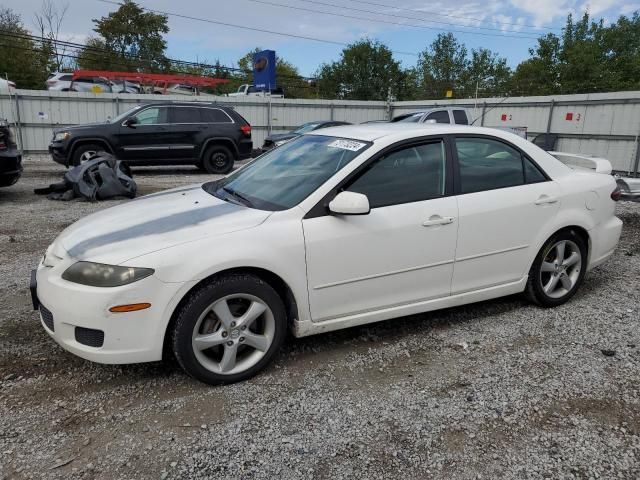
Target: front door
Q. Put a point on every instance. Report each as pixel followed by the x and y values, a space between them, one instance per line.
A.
pixel 504 201
pixel 401 252
pixel 147 139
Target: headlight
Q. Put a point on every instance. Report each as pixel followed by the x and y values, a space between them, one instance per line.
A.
pixel 280 142
pixel 101 275
pixel 60 136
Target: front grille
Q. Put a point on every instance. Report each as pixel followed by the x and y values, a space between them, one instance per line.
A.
pixel 47 317
pixel 89 336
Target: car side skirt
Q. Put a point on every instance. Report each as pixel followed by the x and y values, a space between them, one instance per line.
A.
pixel 306 328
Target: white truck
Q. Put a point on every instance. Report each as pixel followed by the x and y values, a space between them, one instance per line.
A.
pixel 246 89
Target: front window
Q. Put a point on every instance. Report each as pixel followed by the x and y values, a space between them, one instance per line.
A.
pixel 283 177
pixel 441 116
pixel 411 174
pixel 126 114
pixel 152 116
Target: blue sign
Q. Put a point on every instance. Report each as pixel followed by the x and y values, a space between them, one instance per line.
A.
pixel 264 70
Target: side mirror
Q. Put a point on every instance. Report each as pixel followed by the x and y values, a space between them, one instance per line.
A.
pixel 350 203
pixel 131 122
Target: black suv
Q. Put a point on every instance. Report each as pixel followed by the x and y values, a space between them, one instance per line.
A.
pixel 208 135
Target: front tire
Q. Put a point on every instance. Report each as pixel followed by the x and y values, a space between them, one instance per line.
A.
pixel 84 153
pixel 558 270
pixel 229 330
pixel 218 160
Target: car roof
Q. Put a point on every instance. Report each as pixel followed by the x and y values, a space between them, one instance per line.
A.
pixel 371 132
pixel 186 104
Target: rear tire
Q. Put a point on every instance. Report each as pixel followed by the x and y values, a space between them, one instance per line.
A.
pixel 84 153
pixel 218 160
pixel 229 330
pixel 558 270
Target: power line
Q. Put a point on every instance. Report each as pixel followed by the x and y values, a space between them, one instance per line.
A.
pixel 387 14
pixel 98 50
pixel 451 16
pixel 254 29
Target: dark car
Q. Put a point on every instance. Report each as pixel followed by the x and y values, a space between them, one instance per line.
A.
pixel 10 158
pixel 209 135
pixel 278 139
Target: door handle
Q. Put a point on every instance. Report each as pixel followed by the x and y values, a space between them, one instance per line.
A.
pixel 435 220
pixel 546 200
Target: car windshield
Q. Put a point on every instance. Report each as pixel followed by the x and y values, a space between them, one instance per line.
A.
pixel 415 118
pixel 283 177
pixel 124 115
pixel 307 127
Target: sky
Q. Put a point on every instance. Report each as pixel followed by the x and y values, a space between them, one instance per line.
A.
pixel 508 27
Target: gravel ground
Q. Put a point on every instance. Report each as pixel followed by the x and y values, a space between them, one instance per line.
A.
pixel 499 389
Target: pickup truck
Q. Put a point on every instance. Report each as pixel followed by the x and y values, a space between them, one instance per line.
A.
pixel 436 115
pixel 246 89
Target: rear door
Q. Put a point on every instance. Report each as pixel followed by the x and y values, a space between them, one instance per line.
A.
pixel 186 128
pixel 504 200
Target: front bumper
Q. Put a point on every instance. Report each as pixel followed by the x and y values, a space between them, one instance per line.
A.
pixel 71 310
pixel 59 153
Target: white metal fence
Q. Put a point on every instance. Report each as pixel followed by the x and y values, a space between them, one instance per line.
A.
pixel 606 124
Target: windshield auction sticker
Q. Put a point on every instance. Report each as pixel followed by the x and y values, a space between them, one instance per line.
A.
pixel 347 145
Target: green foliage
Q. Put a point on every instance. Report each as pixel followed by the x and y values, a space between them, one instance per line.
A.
pixel 133 40
pixel 366 71
pixel 445 65
pixel 25 62
pixel 588 57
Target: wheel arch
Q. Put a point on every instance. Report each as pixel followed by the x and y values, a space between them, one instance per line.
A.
pixel 579 230
pixel 223 141
pixel 281 287
pixel 84 141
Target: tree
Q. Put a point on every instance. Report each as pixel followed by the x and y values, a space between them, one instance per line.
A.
pixel 539 75
pixel 24 61
pixel 130 38
pixel 366 71
pixel 487 73
pixel 442 66
pixel 49 21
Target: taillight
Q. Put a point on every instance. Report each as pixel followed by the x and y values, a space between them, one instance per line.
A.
pixel 3 145
pixel 246 130
pixel 616 194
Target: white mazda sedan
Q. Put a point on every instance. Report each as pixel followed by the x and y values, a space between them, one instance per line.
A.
pixel 340 227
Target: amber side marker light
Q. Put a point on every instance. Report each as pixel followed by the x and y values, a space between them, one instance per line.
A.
pixel 133 307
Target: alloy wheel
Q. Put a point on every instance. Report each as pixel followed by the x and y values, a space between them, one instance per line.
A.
pixel 233 334
pixel 87 155
pixel 560 269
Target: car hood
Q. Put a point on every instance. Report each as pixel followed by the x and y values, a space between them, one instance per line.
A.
pixel 153 223
pixel 84 126
pixel 282 136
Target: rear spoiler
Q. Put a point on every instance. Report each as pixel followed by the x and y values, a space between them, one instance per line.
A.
pixel 584 162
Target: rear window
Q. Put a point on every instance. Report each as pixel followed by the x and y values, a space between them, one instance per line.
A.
pixel 213 115
pixel 185 115
pixel 460 116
